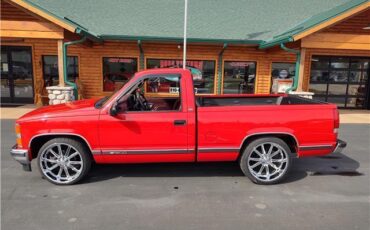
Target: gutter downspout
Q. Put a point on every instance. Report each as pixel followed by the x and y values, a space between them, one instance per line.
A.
pixel 65 46
pixel 141 54
pixel 297 63
pixel 219 68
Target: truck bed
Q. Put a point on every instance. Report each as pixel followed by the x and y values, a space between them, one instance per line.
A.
pixel 224 122
pixel 230 100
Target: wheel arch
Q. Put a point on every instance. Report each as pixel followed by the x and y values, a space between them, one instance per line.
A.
pixel 288 138
pixel 37 141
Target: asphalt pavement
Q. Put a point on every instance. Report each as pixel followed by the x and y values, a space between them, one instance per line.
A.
pixel 331 192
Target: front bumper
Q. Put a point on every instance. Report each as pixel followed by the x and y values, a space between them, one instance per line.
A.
pixel 340 146
pixel 21 155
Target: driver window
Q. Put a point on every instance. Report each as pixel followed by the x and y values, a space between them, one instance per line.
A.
pixel 156 93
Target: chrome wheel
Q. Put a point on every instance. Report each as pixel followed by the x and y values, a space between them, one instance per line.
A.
pixel 268 162
pixel 61 163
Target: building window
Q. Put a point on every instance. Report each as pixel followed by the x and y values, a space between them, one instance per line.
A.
pixel 341 80
pixel 282 76
pixel 117 71
pixel 239 77
pixel 50 69
pixel 203 72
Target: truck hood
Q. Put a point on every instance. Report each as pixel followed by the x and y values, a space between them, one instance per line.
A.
pixel 75 108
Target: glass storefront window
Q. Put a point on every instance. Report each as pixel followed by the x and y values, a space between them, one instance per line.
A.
pixel 5 89
pixel 339 63
pixel 358 76
pixel 338 76
pixel 355 102
pixel 319 76
pixel 203 72
pixel 117 71
pixel 50 69
pixel 282 71
pixel 239 77
pixel 358 63
pixel 337 89
pixel 357 90
pixel 341 80
pixel 319 62
pixel 318 89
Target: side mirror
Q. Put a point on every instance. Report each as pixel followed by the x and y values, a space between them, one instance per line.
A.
pixel 114 109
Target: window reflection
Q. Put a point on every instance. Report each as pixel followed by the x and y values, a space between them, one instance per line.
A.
pixel 337 89
pixel 318 89
pixel 359 63
pixel 340 80
pixel 50 69
pixel 319 75
pixel 338 76
pixel 358 76
pixel 355 102
pixel 117 71
pixel 339 63
pixel 203 72
pixel 357 90
pixel 239 77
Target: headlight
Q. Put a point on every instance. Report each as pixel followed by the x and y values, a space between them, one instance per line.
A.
pixel 18 135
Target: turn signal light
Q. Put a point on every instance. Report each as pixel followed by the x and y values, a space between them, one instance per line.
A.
pixel 18 135
pixel 336 119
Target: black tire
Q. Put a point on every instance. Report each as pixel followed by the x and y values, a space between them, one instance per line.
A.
pixel 84 156
pixel 249 150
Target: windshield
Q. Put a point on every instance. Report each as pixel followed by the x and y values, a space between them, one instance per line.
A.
pixel 102 101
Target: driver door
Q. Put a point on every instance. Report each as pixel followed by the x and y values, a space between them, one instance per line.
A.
pixel 153 131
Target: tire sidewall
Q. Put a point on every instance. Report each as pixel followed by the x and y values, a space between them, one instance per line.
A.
pixel 78 146
pixel 248 150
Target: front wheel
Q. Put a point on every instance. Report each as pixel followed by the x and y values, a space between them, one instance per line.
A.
pixel 266 160
pixel 64 161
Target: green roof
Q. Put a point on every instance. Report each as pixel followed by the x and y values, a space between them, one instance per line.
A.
pixel 262 22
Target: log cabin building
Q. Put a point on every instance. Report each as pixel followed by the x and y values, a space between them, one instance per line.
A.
pixel 241 46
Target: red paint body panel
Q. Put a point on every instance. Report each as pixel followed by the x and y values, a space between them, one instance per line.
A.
pixel 214 133
pixel 217 156
pixel 227 126
pixel 153 158
pixel 312 153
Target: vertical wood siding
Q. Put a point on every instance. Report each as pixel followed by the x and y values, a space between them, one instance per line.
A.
pixel 91 58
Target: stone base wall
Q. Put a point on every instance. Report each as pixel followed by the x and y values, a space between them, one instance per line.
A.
pixel 59 95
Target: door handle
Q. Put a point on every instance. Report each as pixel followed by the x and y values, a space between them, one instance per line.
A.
pixel 179 122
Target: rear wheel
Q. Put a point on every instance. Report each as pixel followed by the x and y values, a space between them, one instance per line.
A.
pixel 266 160
pixel 64 161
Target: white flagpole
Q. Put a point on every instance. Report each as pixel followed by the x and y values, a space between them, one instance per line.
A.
pixel 185 25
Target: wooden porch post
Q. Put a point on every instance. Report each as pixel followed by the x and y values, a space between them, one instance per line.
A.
pixel 301 69
pixel 60 63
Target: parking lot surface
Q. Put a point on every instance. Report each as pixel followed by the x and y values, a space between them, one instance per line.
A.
pixel 331 192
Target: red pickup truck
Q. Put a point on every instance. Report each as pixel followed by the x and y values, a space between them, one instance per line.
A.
pixel 156 117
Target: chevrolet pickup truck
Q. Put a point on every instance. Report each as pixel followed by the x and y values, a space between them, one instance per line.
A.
pixel 156 117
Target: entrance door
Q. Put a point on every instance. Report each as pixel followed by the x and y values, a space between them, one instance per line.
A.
pixel 16 74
